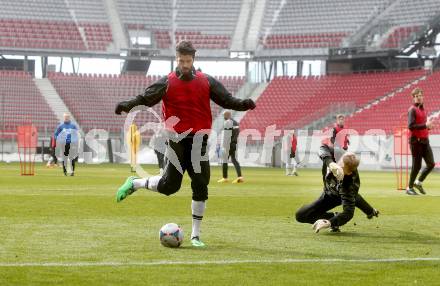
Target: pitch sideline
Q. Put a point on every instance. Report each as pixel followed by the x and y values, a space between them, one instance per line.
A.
pixel 219 262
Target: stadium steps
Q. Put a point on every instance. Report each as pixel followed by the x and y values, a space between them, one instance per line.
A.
pixel 242 26
pixel 83 36
pixel 267 30
pixel 119 37
pixel 255 25
pixel 53 99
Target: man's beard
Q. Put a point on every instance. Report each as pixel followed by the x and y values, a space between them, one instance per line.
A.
pixel 185 74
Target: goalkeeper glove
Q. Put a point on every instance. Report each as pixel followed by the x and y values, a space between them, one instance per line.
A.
pixel 337 171
pixel 321 224
pixel 374 213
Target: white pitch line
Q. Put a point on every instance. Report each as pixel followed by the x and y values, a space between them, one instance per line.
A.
pixel 219 262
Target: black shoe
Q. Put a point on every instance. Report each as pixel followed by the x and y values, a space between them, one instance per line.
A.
pixel 419 188
pixel 72 174
pixel 411 192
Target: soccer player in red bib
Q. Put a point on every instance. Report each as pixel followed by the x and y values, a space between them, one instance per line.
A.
pixel 185 94
pixel 419 126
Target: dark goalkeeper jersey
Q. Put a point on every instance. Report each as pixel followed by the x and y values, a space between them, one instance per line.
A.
pixel 346 190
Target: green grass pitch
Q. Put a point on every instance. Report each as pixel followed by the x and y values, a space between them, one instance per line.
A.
pixel 57 230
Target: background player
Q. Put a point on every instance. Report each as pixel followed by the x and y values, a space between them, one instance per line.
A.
pixel 289 147
pixel 66 137
pixel 53 160
pixel 186 94
pixel 419 127
pixel 231 131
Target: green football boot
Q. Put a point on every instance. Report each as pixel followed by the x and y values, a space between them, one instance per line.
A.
pixel 196 242
pixel 126 189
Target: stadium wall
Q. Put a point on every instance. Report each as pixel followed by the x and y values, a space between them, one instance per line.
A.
pixel 376 152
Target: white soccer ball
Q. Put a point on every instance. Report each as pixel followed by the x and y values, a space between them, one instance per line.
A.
pixel 171 235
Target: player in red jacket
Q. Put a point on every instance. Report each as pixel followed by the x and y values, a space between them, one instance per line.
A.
pixel 419 126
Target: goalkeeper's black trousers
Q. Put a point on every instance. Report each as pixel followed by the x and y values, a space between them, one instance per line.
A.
pixel 319 209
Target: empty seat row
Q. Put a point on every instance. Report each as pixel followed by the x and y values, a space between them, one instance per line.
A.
pixel 23 104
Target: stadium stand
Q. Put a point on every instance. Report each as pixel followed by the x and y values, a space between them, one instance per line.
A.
pixel 296 102
pixel 80 25
pixel 83 25
pixel 76 25
pixel 406 19
pixel 408 12
pixel 92 98
pixel 314 24
pixel 209 25
pixel 215 22
pixel 22 103
pixel 392 112
pixel 152 15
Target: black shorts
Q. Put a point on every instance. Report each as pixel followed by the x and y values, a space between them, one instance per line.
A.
pixel 172 178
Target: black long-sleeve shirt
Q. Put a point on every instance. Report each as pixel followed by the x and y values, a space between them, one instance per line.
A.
pixel 327 154
pixel 347 190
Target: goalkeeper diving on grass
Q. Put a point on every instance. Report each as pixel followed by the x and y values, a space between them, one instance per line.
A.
pixel 341 187
pixel 185 95
pixel 327 155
